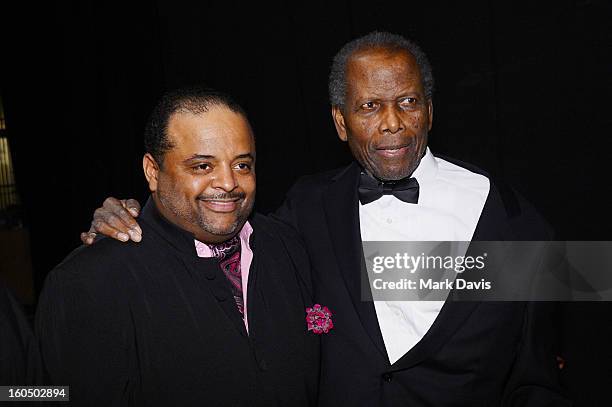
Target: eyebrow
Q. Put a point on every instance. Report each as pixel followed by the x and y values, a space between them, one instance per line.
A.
pixel 211 157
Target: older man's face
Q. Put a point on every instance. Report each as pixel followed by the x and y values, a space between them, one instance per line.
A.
pixel 386 115
pixel 207 182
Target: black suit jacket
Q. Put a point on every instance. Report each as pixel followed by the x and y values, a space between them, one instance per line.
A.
pixel 475 354
pixel 154 324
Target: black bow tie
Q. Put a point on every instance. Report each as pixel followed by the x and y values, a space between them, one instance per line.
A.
pixel 370 189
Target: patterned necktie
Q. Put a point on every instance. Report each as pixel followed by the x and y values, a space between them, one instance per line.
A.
pixel 228 254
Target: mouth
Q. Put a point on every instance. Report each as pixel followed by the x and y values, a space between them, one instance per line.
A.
pixel 393 150
pixel 221 205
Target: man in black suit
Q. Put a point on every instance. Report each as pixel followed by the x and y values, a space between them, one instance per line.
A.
pixel 396 353
pixel 209 308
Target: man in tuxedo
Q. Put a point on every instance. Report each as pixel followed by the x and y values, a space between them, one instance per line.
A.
pixel 397 353
pixel 209 308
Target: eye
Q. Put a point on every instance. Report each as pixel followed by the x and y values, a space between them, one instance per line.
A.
pixel 202 167
pixel 244 167
pixel 408 102
pixel 369 105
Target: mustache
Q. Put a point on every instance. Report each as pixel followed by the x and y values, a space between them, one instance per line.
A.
pixel 227 196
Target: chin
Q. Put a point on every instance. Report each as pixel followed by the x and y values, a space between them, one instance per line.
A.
pixel 219 229
pixel 391 174
pixel 224 231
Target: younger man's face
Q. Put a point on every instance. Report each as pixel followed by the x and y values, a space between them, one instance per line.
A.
pixel 206 184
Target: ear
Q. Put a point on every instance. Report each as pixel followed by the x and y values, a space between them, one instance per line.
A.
pixel 339 122
pixel 430 114
pixel 151 171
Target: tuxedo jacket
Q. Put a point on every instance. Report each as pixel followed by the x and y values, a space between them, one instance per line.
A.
pixel 475 354
pixel 151 323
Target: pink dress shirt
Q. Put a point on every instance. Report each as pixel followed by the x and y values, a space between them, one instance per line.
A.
pixel 246 256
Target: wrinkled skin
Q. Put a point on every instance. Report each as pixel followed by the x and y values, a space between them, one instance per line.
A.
pixel 386 116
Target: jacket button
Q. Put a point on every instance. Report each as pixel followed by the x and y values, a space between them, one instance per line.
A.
pixel 387 377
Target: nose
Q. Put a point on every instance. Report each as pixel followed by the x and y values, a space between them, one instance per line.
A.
pixel 391 121
pixel 224 179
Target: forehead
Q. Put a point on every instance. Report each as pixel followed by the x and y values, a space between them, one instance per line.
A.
pixel 381 69
pixel 214 132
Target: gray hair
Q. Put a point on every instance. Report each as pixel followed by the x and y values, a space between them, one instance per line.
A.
pixel 337 76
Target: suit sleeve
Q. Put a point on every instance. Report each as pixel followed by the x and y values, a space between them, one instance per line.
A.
pixel 534 380
pixel 83 334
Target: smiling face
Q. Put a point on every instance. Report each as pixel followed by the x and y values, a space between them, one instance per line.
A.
pixel 207 182
pixel 386 115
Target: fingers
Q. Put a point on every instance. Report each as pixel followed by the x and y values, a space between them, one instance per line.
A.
pixel 110 225
pixel 132 206
pixel 113 220
pixel 125 210
pixel 88 238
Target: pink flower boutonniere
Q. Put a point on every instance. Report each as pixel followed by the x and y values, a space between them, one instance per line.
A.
pixel 319 319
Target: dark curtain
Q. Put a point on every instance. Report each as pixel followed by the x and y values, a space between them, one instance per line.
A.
pixel 522 92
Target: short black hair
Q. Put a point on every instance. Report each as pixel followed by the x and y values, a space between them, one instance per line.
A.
pixel 193 99
pixel 377 39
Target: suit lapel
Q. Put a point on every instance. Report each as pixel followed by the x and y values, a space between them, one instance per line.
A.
pixel 342 213
pixel 341 208
pixel 455 311
pixel 492 224
pixel 451 317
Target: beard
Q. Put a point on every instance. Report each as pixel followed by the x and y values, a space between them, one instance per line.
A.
pixel 204 219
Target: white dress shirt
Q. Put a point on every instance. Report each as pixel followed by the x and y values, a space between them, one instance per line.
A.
pixel 451 200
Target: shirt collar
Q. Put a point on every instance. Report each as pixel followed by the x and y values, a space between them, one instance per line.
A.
pixel 204 250
pixel 427 169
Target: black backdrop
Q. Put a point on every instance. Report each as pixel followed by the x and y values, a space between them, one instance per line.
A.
pixel 521 92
